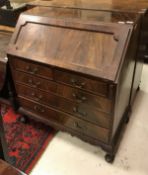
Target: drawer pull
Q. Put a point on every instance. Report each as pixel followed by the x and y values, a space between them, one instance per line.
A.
pixel 37 97
pixel 38 83
pixel 30 81
pixel 38 109
pixel 33 94
pixel 27 68
pixel 77 125
pixel 31 71
pixel 77 84
pixel 40 97
pixel 79 98
pixel 76 110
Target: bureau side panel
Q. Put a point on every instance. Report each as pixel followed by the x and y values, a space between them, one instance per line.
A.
pixel 125 82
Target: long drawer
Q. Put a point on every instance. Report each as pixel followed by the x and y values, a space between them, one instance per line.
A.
pixel 65 120
pixel 79 110
pixel 77 95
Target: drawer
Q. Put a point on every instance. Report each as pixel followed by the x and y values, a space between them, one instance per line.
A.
pixel 66 120
pixel 77 95
pixel 31 68
pixel 77 81
pixel 79 110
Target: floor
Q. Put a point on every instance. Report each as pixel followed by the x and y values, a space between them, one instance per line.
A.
pixel 67 155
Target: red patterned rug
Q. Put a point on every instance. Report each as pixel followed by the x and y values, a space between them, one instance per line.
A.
pixel 26 142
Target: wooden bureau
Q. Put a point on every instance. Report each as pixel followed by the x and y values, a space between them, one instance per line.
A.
pixel 74 70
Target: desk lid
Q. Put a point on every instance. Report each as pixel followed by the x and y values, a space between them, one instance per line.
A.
pixel 85 46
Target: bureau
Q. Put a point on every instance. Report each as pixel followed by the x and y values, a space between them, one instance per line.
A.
pixel 74 70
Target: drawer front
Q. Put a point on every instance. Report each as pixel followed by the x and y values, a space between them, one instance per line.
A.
pixel 74 94
pixel 66 120
pixel 79 110
pixel 29 67
pixel 81 82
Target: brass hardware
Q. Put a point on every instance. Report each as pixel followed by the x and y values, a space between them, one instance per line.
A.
pixel 36 98
pixel 77 125
pixel 38 83
pixel 40 97
pixel 31 71
pixel 81 113
pixel 36 108
pixel 32 94
pixel 35 70
pixel 30 81
pixel 27 68
pixel 39 109
pixel 77 84
pixel 79 98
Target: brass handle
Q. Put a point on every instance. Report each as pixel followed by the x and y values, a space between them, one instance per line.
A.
pixel 38 83
pixel 27 68
pixel 77 84
pixel 77 125
pixel 81 113
pixel 30 81
pixel 31 71
pixel 37 97
pixel 39 109
pixel 35 70
pixel 33 94
pixel 79 98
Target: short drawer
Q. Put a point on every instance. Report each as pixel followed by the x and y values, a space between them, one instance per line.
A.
pixel 77 95
pixel 31 68
pixel 66 120
pixel 79 110
pixel 77 81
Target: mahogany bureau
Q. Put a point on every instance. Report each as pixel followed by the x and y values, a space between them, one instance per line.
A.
pixel 74 70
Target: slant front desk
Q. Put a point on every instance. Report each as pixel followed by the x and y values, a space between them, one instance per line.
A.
pixel 128 6
pixel 76 70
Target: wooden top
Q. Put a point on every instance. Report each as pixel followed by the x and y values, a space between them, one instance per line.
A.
pixel 7 169
pixel 114 5
pixel 61 40
pixel 86 15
